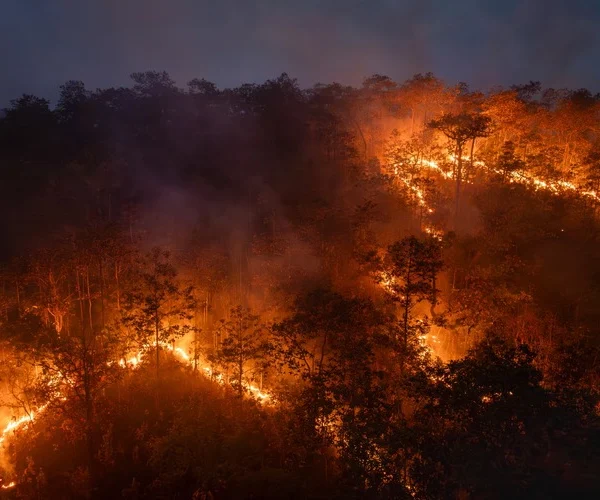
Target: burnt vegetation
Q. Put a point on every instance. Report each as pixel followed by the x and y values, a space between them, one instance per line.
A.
pixel 389 291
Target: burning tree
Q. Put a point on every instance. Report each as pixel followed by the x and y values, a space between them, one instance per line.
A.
pixel 49 272
pixel 424 95
pixel 508 161
pixel 409 274
pixel 460 129
pixel 158 308
pixel 75 371
pixel 243 344
pixel 330 342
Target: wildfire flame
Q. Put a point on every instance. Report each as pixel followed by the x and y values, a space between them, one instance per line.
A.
pixel 204 367
pixel 260 395
pixel 132 363
pixel 387 282
pixel 21 422
pixel 555 187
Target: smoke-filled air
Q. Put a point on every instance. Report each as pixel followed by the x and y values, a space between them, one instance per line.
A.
pixel 390 290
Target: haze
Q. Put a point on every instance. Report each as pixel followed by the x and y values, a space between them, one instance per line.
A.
pixel 43 44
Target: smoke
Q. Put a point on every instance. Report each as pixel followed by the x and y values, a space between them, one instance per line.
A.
pixel 234 41
pixel 558 42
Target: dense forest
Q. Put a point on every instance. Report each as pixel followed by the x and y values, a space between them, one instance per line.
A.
pixel 390 291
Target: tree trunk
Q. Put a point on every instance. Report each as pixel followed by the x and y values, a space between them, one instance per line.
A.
pixel 405 316
pixel 118 286
pixel 323 346
pixel 458 184
pixel 80 300
pixel 240 375
pixel 362 136
pixel 156 327
pixel 433 297
pixel 89 410
pixel 89 297
pixel 471 158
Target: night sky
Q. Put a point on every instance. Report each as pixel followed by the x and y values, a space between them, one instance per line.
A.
pixel 485 43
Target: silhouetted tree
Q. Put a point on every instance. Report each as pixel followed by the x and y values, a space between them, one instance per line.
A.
pixel 459 129
pixel 243 342
pixel 158 308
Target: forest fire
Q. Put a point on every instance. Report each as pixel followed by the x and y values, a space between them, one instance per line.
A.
pixel 21 422
pixel 256 392
pixel 556 187
pixel 133 363
pixel 204 368
pixel 360 323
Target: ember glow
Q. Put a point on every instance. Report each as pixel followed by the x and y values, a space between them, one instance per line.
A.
pixel 204 367
pixel 133 363
pixel 20 423
pixel 253 390
pixel 557 187
pixel 272 291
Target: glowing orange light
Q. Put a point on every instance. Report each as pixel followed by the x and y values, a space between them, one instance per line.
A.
pixel 23 421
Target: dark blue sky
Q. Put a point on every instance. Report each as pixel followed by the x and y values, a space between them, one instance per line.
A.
pixel 484 42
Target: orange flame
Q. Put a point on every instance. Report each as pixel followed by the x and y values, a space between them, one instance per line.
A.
pixel 21 422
